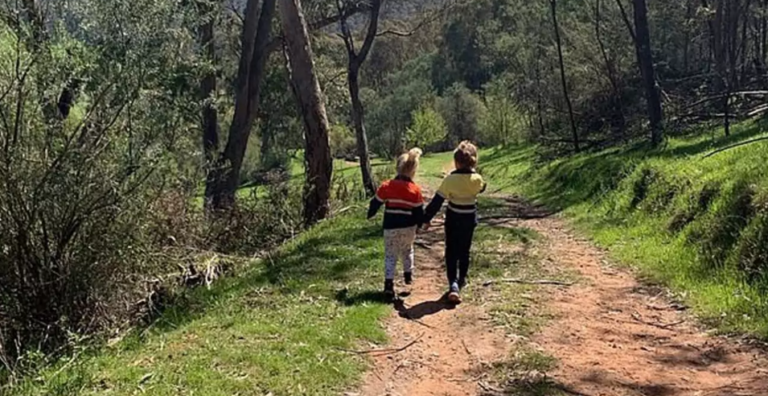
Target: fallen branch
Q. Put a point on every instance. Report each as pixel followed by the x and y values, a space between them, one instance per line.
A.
pixel 636 316
pixel 489 388
pixel 466 348
pixel 383 352
pixel 419 322
pixel 733 146
pixel 527 282
pixel 726 95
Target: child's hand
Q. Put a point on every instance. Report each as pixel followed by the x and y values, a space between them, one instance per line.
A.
pixel 426 226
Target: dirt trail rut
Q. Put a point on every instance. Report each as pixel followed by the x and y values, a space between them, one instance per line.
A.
pixel 609 334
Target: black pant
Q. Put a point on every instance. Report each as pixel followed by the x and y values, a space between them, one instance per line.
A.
pixel 459 229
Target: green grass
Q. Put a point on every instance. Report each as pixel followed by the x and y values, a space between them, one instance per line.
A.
pixel 699 225
pixel 342 169
pixel 278 328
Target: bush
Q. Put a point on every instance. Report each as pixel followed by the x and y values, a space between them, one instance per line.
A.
pixel 80 189
pixel 259 221
pixel 343 142
pixel 428 129
pixel 462 111
pixel 502 123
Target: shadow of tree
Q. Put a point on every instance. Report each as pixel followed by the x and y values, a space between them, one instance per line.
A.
pixel 329 256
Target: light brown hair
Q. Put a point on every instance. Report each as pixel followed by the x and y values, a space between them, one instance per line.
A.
pixel 408 163
pixel 465 156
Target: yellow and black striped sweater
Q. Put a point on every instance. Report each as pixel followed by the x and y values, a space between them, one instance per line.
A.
pixel 460 189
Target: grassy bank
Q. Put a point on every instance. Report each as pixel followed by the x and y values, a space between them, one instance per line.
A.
pixel 279 328
pixel 698 224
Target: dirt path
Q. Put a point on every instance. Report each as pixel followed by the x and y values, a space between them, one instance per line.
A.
pixel 452 342
pixel 614 336
pixel 609 334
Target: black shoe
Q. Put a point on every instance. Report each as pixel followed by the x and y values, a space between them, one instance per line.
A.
pixel 389 289
pixel 408 278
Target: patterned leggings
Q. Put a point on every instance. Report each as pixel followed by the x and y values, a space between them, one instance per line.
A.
pixel 398 245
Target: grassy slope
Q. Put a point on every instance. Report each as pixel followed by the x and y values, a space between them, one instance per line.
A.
pixel 277 328
pixel 699 225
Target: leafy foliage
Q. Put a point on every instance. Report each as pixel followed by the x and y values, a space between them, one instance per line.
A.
pixel 428 129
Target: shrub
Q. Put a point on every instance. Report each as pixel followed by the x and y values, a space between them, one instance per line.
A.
pixel 428 129
pixel 79 189
pixel 343 142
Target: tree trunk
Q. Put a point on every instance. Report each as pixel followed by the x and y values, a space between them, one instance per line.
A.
pixel 208 85
pixel 358 113
pixel 689 14
pixel 539 104
pixel 317 154
pixel 618 107
pixel 645 60
pixel 224 177
pixel 355 61
pixel 563 78
pixel 764 33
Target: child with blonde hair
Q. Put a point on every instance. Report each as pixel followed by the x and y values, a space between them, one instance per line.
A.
pixel 460 189
pixel 403 214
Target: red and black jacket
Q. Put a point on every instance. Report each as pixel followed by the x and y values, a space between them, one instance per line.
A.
pixel 404 204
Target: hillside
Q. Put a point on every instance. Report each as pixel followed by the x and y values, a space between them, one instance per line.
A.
pixel 691 221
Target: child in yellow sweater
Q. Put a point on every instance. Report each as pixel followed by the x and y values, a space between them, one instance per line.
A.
pixel 460 189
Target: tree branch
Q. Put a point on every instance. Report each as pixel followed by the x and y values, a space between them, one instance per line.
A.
pixel 321 23
pixel 626 21
pixel 346 35
pixel 424 22
pixel 373 27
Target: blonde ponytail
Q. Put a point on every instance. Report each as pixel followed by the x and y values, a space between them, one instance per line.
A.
pixel 408 163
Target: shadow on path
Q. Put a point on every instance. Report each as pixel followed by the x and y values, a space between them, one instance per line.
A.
pixel 423 309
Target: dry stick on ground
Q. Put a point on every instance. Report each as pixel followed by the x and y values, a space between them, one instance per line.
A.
pixel 489 388
pixel 527 282
pixel 636 316
pixel 384 352
pixel 419 322
pixel 735 146
pixel 465 347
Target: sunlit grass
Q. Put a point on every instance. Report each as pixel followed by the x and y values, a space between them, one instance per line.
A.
pixel 699 225
pixel 279 327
